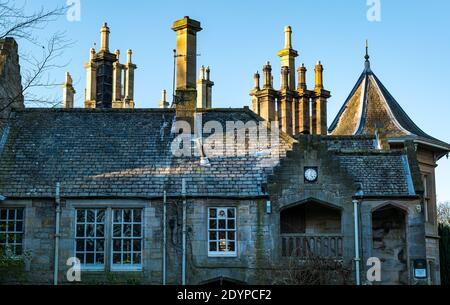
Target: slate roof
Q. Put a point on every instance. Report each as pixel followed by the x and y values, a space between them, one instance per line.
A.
pixel 369 105
pixel 380 173
pixel 123 153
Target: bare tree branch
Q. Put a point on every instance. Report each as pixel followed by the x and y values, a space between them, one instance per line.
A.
pixel 41 58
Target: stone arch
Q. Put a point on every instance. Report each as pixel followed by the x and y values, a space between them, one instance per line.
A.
pixel 311 227
pixel 389 242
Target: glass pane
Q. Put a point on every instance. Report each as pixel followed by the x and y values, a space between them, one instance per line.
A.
pixel 11 226
pixel 231 235
pixel 127 258
pixel 117 245
pixel 80 245
pixel 213 224
pixel 100 230
pixel 117 215
pixel 80 231
pixel 231 213
pixel 117 230
pixel 80 215
pixel 231 224
pixel 231 246
pixel 117 259
pixel 90 258
pixel 19 226
pixel 127 230
pixel 19 238
pixel 80 256
pixel 222 214
pixel 20 214
pixel 212 213
pixel 127 216
pixel 90 232
pixel 137 245
pixel 2 226
pixel 213 246
pixel 90 245
pixel 2 238
pixel 91 216
pixel 100 247
pixel 222 224
pixel 100 259
pixel 137 259
pixel 137 230
pixel 222 246
pixel 222 235
pixel 137 216
pixel 127 245
pixel 101 216
pixel 3 213
pixel 213 235
pixel 11 213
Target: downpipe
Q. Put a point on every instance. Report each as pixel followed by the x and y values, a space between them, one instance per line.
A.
pixel 183 260
pixel 57 233
pixel 164 279
pixel 357 258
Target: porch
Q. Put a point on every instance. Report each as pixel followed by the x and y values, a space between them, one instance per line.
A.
pixel 311 229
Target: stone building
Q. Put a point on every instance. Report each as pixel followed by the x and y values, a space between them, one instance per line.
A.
pixel 195 194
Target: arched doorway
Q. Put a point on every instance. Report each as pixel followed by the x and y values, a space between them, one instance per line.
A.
pixel 311 229
pixel 389 244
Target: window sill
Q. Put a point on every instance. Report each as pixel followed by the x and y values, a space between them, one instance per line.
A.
pixel 220 255
pixel 127 269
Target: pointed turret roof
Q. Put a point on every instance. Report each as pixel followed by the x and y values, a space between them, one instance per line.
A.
pixel 370 106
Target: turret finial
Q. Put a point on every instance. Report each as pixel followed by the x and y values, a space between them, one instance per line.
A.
pixel 367 57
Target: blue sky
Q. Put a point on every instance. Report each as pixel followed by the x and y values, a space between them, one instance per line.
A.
pixel 409 48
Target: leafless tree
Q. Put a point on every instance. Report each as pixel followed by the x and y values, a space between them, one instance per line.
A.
pixel 40 52
pixel 444 213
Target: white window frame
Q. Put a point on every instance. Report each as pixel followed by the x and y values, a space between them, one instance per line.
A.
pixel 15 233
pixel 226 230
pixel 96 266
pixel 126 267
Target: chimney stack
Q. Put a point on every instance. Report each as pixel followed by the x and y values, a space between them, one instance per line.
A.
pixel 186 52
pixel 104 47
pixel 204 89
pixel 68 92
pixel 254 92
pixel 91 81
pixel 286 98
pixel 319 104
pixel 117 82
pixel 264 101
pixel 129 80
pixel 163 104
pixel 104 61
pixel 288 55
pixel 304 97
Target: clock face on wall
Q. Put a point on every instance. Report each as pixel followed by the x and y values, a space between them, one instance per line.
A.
pixel 311 174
